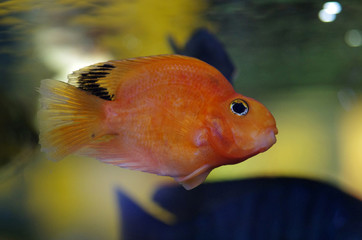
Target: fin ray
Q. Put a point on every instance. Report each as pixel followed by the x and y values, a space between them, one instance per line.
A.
pixel 68 118
pixel 195 178
pixel 102 79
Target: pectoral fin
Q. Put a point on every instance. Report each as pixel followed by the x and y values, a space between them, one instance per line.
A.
pixel 221 138
pixel 195 178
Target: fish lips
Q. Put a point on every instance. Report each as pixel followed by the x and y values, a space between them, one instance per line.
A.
pixel 262 142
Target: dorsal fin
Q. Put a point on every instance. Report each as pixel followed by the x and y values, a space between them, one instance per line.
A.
pixel 96 80
pixel 102 79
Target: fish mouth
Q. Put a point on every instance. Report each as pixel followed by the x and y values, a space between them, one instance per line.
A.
pixel 266 139
pixel 261 142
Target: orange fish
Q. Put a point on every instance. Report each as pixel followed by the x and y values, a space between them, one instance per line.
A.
pixel 170 115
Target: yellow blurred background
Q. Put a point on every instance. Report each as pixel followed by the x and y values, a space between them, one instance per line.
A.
pixel 319 117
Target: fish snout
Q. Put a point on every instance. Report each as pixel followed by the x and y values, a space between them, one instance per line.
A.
pixel 266 139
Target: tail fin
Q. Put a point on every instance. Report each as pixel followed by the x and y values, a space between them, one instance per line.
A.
pixel 69 118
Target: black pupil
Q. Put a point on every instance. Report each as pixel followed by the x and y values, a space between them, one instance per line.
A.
pixel 238 108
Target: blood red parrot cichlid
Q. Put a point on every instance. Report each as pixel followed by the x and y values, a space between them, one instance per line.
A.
pixel 169 115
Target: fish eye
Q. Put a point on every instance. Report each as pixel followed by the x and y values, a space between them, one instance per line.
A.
pixel 239 107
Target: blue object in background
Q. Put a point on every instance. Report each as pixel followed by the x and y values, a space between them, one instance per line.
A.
pixel 252 209
pixel 206 47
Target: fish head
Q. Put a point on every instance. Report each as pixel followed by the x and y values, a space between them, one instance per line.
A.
pixel 240 127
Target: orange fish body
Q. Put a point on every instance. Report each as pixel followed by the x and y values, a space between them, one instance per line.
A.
pixel 169 115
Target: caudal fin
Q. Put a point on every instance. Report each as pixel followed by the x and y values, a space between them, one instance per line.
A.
pixel 69 118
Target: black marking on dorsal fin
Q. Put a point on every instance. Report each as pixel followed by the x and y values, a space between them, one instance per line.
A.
pixel 103 79
pixel 89 80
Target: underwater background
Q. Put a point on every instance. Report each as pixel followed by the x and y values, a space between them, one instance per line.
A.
pixel 302 59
